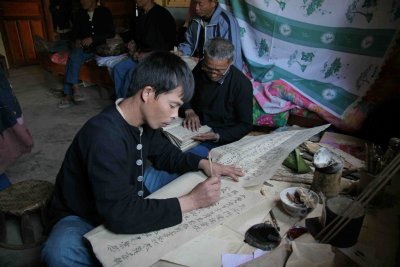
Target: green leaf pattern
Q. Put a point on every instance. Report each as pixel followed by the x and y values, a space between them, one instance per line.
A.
pixel 333 68
pixel 279 42
pixel 303 62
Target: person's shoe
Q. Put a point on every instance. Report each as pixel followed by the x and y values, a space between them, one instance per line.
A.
pixel 56 92
pixel 79 97
pixel 65 103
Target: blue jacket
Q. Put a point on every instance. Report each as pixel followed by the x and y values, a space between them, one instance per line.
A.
pixel 222 24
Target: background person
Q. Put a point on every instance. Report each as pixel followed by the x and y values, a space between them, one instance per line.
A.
pixel 211 21
pixel 92 25
pixel 154 29
pixel 223 98
pixel 15 138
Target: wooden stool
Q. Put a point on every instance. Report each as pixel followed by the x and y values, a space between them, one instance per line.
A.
pixel 3 64
pixel 24 202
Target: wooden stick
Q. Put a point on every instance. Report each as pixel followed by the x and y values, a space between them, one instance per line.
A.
pixel 345 219
pixel 382 179
pixel 365 197
pixel 210 162
pixel 292 179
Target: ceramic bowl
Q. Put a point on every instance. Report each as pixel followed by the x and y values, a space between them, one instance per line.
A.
pixel 293 209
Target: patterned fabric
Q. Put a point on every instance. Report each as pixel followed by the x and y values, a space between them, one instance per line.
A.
pixel 60 57
pixel 329 54
pixel 260 118
pixel 15 139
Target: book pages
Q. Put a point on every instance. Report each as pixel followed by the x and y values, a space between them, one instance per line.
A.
pixel 180 136
pixel 259 156
pixel 145 249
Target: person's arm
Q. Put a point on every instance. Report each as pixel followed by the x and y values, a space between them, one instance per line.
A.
pixel 209 191
pixel 76 21
pixel 168 31
pixel 202 195
pixel 192 120
pixel 105 26
pixel 168 157
pixel 110 160
pixel 189 45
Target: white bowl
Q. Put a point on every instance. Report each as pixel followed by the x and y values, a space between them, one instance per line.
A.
pixel 293 209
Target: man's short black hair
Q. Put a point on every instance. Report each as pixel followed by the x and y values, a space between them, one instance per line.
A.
pixel 164 72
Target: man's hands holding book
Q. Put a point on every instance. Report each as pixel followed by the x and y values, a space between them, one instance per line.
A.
pixel 192 122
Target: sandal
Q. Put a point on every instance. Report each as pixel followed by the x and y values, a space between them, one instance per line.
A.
pixel 56 92
pixel 65 103
pixel 79 97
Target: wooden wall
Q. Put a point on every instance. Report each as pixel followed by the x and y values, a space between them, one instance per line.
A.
pixel 20 20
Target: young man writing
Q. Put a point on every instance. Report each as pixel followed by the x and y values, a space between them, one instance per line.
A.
pixel 103 176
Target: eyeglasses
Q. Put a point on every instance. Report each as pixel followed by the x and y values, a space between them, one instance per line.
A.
pixel 219 72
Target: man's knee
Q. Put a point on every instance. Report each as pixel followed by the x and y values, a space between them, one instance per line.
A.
pixel 66 250
pixel 56 254
pixel 66 245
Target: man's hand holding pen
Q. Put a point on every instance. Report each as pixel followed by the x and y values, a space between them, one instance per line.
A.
pixel 208 192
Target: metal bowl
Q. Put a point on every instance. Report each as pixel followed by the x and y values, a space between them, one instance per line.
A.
pixel 297 210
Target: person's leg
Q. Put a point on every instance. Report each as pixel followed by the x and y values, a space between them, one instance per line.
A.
pixel 66 246
pixel 127 82
pixel 119 73
pixel 154 179
pixel 76 59
pixel 4 181
pixel 203 149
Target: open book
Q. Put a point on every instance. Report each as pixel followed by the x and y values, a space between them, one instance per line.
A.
pixel 182 137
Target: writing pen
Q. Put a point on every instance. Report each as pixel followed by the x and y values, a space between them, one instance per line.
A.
pixel 210 162
pixel 274 220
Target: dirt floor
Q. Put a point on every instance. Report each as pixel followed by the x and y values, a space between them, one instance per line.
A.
pixel 53 130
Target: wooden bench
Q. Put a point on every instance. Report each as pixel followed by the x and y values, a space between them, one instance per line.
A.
pixel 89 72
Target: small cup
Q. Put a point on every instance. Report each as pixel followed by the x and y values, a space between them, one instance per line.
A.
pixel 365 179
pixel 348 236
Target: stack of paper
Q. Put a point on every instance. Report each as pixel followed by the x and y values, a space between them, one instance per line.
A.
pixel 181 136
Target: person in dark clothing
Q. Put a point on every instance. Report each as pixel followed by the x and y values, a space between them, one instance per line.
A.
pixel 15 138
pixel 61 13
pixel 154 29
pixel 103 177
pixel 92 25
pixel 222 98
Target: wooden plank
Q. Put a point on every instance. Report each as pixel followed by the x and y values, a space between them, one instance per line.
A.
pixel 14 9
pixel 17 55
pixel 25 33
pixel 177 3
